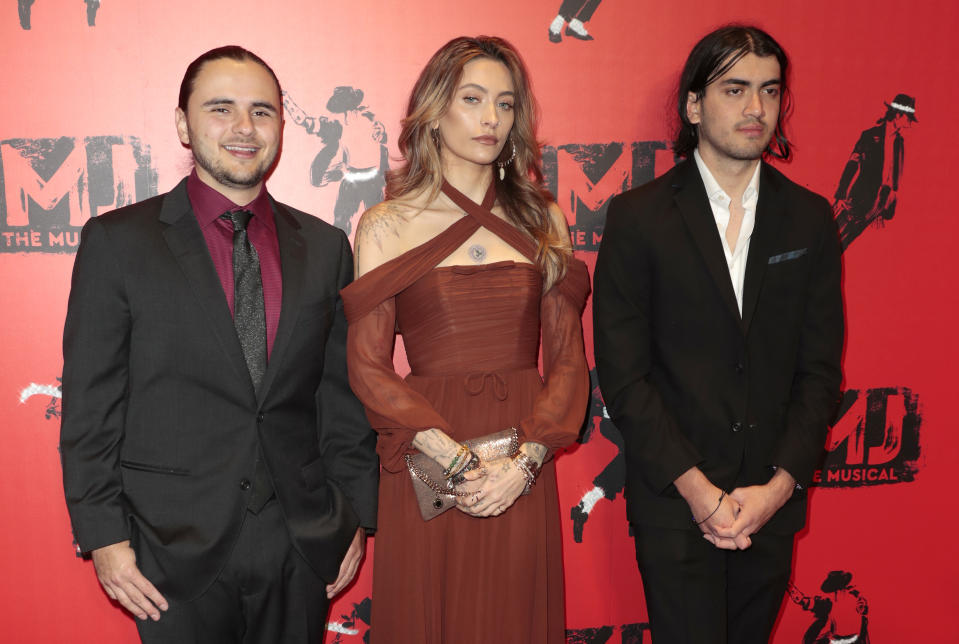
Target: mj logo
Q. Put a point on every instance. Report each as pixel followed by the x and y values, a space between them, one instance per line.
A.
pixel 875 440
pixel 50 187
pixel 584 177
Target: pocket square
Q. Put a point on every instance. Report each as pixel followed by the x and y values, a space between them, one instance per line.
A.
pixel 785 257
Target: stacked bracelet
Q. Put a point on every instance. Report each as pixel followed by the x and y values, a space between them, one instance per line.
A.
pixel 471 464
pixel 708 516
pixel 451 469
pixel 528 468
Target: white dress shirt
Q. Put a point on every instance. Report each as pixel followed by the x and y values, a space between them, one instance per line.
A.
pixel 719 202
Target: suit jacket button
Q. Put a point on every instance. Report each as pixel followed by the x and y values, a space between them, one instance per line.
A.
pixel 259 418
pixel 740 368
pixel 737 426
pixel 245 485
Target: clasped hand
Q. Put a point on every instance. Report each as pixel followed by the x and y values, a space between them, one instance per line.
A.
pixel 741 514
pixel 494 487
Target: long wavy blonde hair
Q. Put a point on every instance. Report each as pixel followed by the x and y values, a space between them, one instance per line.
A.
pixel 520 193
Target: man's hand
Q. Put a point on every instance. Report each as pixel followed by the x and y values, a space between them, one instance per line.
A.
pixel 123 582
pixel 720 529
pixel 759 503
pixel 715 518
pixel 350 564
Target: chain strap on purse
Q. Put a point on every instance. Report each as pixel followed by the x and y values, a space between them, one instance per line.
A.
pixel 436 498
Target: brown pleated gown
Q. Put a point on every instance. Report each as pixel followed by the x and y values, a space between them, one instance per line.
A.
pixel 472 337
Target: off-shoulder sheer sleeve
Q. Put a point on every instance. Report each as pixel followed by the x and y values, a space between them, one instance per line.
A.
pixel 561 406
pixel 394 409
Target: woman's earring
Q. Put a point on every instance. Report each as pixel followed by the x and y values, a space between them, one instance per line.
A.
pixel 504 164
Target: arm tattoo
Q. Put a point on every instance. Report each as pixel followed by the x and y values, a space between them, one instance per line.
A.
pixel 536 451
pixel 436 444
pixel 384 223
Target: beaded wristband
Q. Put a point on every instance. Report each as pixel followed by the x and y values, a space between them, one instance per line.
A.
pixel 451 468
pixel 471 464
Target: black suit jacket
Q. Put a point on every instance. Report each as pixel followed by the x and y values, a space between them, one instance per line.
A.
pixel 161 423
pixel 686 379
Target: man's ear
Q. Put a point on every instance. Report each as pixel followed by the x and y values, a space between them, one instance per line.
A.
pixel 179 117
pixel 692 107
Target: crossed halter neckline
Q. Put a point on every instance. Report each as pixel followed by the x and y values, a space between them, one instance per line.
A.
pixel 391 277
pixel 483 215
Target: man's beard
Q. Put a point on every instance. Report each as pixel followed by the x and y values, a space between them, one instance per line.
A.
pixel 741 151
pixel 229 177
pixel 746 153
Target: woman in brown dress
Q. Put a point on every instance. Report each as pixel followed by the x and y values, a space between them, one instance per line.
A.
pixel 470 261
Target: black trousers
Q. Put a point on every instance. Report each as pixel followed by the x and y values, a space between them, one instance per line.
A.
pixel 699 594
pixel 582 9
pixel 266 594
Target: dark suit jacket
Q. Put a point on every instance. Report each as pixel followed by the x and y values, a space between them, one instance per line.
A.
pixel 686 379
pixel 161 423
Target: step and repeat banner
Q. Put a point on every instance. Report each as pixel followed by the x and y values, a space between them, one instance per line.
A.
pixel 89 92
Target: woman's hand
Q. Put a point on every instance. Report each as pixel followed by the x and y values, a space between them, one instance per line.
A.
pixel 495 486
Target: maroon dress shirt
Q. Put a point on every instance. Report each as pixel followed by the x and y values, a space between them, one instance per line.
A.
pixel 208 205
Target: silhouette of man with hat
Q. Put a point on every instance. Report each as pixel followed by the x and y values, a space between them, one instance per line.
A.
pixel 869 187
pixel 840 613
pixel 354 153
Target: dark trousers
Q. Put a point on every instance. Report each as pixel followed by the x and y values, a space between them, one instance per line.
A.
pixel 266 594
pixel 582 9
pixel 699 594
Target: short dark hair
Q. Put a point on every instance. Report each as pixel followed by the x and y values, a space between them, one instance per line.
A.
pixel 712 57
pixel 233 52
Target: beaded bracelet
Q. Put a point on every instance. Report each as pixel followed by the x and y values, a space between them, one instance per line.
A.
pixel 449 471
pixel 708 516
pixel 471 464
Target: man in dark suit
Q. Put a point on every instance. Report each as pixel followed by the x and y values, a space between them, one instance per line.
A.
pixel 216 464
pixel 718 335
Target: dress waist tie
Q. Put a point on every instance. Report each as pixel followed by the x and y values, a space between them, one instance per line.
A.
pixel 476 382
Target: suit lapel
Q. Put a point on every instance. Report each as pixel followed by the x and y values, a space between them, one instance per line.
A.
pixel 292 267
pixel 186 242
pixel 693 204
pixel 769 216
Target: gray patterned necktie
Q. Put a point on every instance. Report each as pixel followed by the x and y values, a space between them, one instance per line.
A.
pixel 249 315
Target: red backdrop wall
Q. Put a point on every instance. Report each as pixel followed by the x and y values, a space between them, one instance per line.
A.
pixel 88 125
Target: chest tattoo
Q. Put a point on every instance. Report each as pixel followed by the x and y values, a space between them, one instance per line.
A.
pixel 477 253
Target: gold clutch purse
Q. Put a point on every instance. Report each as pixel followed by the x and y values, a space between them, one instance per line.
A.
pixel 436 494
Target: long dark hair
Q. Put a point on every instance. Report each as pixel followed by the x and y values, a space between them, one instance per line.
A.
pixel 712 57
pixel 520 193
